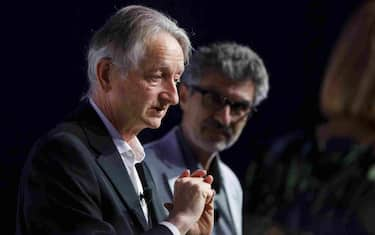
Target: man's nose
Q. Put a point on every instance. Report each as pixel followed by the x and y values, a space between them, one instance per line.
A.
pixel 223 115
pixel 170 94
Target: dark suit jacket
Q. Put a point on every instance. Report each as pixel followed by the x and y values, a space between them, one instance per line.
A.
pixel 74 182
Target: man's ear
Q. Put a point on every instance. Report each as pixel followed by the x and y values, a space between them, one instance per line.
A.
pixel 183 91
pixel 103 72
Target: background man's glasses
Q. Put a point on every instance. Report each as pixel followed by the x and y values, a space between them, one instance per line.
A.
pixel 214 101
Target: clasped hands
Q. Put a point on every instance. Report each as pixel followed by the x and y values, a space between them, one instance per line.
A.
pixel 192 210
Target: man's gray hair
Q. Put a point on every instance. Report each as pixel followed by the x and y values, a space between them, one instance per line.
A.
pixel 234 61
pixel 124 36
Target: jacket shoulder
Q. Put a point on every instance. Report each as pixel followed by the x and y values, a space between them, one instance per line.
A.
pixel 165 151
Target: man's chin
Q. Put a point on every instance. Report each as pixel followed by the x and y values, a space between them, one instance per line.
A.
pixel 215 146
pixel 221 146
pixel 153 123
pixel 219 141
pixel 217 138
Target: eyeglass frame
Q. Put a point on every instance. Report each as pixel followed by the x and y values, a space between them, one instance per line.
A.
pixel 224 101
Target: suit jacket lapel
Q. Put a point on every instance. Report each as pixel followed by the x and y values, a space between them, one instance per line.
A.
pixel 158 211
pixel 109 159
pixel 233 205
pixel 117 174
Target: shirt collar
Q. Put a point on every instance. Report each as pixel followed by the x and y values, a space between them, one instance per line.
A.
pixel 134 147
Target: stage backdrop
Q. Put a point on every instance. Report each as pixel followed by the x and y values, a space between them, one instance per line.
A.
pixel 44 66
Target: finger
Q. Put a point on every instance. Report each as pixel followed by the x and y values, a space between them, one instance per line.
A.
pixel 209 179
pixel 209 206
pixel 210 201
pixel 199 173
pixel 210 198
pixel 168 206
pixel 185 173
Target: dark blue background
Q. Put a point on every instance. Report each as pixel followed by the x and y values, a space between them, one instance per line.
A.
pixel 43 66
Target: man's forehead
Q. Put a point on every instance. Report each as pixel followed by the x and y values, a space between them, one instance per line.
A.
pixel 219 78
pixel 162 65
pixel 161 41
pixel 162 52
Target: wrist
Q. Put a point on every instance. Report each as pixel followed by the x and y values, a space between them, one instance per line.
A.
pixel 182 223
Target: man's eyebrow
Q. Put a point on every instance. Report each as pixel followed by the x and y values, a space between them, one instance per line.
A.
pixel 237 100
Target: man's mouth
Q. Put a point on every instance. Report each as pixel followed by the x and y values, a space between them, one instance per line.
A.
pixel 219 128
pixel 160 109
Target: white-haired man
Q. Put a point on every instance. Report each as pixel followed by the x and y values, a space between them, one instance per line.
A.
pixel 86 176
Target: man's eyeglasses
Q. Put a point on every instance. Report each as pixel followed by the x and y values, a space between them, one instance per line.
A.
pixel 214 101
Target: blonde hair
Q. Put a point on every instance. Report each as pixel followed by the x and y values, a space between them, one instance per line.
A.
pixel 349 84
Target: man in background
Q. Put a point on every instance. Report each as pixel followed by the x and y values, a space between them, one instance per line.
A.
pixel 223 84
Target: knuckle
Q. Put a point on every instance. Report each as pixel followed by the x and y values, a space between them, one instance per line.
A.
pixel 196 187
